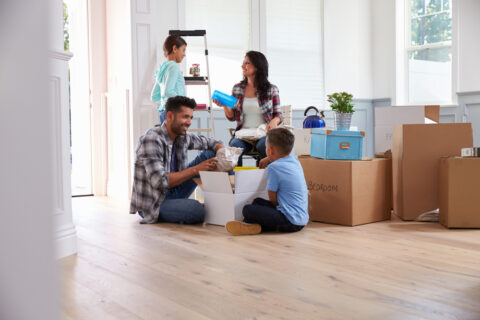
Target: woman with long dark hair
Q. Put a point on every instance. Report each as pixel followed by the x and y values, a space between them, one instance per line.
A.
pixel 258 102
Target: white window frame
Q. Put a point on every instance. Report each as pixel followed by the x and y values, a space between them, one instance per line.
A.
pixel 258 36
pixel 408 47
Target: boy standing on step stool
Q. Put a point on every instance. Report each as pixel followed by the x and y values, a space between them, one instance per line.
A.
pixel 287 209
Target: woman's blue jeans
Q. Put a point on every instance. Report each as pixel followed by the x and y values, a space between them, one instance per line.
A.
pixel 247 147
pixel 176 207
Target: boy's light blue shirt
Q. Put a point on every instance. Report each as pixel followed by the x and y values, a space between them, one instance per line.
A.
pixel 285 177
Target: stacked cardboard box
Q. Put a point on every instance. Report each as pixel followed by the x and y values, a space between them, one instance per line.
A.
pixel 348 192
pixel 459 187
pixel 417 149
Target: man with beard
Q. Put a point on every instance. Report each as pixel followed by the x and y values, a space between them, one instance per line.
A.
pixel 163 180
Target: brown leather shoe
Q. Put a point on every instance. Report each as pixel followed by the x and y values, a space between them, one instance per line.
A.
pixel 241 228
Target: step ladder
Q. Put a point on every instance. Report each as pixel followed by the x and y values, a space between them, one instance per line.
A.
pixel 205 81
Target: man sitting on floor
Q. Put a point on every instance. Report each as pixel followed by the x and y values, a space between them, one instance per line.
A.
pixel 163 181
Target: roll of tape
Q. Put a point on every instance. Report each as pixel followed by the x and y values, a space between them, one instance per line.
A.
pixel 471 152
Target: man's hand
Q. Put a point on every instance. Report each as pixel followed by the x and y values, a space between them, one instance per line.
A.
pixel 207 165
pixel 264 163
pixel 218 148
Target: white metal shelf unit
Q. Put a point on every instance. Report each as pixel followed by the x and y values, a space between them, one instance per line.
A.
pixel 205 81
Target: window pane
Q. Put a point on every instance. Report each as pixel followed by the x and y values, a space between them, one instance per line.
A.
pixel 430 75
pixel 431 29
pixel 433 6
pixel 439 28
pixel 228 39
pixel 294 51
pixel 417 7
pixel 417 33
pixel 446 4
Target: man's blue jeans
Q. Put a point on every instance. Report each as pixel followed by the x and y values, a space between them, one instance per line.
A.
pixel 176 207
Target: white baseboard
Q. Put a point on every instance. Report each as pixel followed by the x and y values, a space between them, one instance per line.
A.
pixel 65 241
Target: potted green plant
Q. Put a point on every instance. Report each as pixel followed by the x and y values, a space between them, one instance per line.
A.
pixel 341 103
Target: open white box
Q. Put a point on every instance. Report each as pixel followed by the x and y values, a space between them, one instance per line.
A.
pixel 222 203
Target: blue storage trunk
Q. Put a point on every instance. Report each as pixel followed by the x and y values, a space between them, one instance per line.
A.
pixel 337 144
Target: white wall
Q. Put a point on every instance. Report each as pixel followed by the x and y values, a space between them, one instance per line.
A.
pixel 466 29
pixel 168 19
pixel 348 47
pixel 98 87
pixel 27 271
pixel 383 48
pixel 119 84
pixel 118 44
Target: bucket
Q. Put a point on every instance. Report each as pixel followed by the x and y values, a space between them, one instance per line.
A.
pixel 343 120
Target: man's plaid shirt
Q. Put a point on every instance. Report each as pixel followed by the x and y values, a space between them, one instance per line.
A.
pixel 152 165
pixel 270 104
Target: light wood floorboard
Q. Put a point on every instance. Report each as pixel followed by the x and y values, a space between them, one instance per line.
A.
pixel 385 270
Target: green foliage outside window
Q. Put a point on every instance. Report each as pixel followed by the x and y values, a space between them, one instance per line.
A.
pixel 431 22
pixel 66 36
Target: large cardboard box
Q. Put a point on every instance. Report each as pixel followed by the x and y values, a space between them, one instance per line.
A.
pixel 348 192
pixel 459 188
pixel 387 118
pixel 417 149
pixel 225 197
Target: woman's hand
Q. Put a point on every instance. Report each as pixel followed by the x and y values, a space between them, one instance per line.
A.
pixel 228 111
pixel 264 163
pixel 273 123
pixel 218 103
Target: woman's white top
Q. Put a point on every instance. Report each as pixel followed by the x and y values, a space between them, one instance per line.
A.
pixel 252 113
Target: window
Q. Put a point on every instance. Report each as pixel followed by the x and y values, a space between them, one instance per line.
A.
pixel 429 51
pixel 288 32
pixel 294 50
pixel 228 39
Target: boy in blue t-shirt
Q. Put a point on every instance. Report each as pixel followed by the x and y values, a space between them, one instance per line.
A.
pixel 287 210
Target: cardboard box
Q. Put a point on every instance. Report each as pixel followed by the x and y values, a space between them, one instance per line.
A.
pixel 417 149
pixel 302 141
pixel 223 202
pixel 459 185
pixel 337 144
pixel 432 113
pixel 348 192
pixel 387 118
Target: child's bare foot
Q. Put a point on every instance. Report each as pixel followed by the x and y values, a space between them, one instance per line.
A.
pixel 241 228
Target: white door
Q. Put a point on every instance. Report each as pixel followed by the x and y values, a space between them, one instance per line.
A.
pixel 144 62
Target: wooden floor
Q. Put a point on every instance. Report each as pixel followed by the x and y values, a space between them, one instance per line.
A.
pixel 386 270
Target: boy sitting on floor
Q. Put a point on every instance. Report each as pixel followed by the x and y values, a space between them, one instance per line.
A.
pixel 287 190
